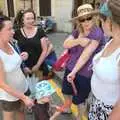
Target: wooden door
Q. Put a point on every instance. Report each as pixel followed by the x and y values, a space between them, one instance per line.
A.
pixel 45 7
pixel 10 5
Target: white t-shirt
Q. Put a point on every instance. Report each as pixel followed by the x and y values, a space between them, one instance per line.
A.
pixel 14 77
pixel 105 81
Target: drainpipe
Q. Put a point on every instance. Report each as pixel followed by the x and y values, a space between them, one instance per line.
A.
pixel 32 4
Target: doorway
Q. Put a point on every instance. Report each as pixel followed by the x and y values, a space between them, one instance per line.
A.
pixel 45 7
pixel 10 5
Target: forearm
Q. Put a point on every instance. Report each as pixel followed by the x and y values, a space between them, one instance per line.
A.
pixel 69 43
pixel 81 62
pixel 85 56
pixel 49 50
pixel 12 91
pixel 41 58
pixel 115 114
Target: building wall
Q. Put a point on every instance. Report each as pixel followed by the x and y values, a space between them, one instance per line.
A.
pixel 61 10
pixel 21 4
pixel 3 6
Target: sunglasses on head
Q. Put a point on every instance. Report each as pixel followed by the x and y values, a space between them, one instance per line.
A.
pixel 86 19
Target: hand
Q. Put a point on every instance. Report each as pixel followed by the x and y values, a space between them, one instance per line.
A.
pixel 84 41
pixel 24 55
pixel 27 70
pixel 28 102
pixel 71 77
pixel 44 38
pixel 35 68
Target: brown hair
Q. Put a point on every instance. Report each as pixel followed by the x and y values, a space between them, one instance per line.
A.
pixel 3 18
pixel 114 6
pixel 19 18
pixel 31 11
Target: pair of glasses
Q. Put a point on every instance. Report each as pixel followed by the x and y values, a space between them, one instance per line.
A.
pixel 85 19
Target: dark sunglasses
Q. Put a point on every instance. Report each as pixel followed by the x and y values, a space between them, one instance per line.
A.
pixel 86 19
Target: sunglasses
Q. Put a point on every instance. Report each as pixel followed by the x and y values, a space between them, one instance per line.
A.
pixel 85 19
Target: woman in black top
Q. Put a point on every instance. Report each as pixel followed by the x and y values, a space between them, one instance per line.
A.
pixel 32 40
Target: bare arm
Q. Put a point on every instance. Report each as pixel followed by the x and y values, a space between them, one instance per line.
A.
pixel 42 56
pixel 115 114
pixel 49 48
pixel 84 57
pixel 44 51
pixel 71 41
pixel 88 51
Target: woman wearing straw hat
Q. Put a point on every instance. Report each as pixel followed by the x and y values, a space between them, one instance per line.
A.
pixel 105 81
pixel 84 42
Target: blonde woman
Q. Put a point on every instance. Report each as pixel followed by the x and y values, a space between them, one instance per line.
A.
pixel 82 45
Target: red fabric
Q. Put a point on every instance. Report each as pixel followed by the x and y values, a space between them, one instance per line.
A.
pixel 61 62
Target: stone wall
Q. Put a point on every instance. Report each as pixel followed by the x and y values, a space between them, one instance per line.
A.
pixel 61 11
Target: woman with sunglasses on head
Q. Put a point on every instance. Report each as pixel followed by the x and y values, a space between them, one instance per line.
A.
pixel 13 84
pixel 105 81
pixel 33 40
pixel 84 42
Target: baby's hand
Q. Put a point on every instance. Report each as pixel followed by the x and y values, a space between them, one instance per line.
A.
pixel 24 55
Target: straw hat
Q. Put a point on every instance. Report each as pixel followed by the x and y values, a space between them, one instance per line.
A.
pixel 84 10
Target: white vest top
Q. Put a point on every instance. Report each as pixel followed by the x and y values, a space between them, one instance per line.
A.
pixel 105 82
pixel 14 77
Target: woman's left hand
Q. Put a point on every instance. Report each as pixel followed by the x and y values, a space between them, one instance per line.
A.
pixel 71 77
pixel 35 68
pixel 24 55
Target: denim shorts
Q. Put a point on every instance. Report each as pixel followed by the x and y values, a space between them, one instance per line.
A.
pixel 82 84
pixel 10 106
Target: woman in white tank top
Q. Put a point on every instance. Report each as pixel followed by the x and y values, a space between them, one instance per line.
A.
pixel 105 81
pixel 13 84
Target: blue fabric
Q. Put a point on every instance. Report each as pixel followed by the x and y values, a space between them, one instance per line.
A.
pixel 51 59
pixel 83 88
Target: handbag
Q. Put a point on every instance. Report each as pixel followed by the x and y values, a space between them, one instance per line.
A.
pixel 61 62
